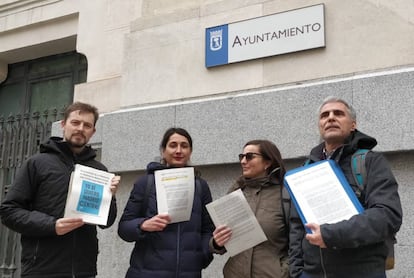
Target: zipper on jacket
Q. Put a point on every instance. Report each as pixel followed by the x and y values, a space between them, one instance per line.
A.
pixel 177 269
pixel 73 253
pixel 322 264
pixel 36 251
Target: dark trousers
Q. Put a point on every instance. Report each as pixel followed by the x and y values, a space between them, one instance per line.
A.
pixel 377 275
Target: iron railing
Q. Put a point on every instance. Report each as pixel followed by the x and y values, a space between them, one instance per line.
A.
pixel 20 137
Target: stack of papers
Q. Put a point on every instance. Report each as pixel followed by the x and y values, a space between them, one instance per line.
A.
pixel 321 193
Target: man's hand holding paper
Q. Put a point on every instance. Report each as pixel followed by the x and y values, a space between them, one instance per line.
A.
pixel 315 237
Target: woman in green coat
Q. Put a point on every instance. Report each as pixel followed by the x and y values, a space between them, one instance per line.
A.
pixel 261 183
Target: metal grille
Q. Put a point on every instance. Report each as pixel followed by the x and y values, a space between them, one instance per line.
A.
pixel 20 137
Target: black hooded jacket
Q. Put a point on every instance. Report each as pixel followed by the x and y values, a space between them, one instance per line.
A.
pixel 355 247
pixel 37 199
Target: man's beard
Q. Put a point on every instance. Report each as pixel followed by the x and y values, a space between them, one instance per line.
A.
pixel 76 143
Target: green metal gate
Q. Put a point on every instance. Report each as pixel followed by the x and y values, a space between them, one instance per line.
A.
pixel 20 137
pixel 35 85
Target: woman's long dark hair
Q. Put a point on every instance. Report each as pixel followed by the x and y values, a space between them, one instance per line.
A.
pixel 271 153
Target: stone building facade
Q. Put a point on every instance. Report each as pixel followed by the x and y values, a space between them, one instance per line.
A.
pixel 146 72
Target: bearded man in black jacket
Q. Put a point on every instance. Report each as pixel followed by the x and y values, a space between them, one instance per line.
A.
pixel 54 246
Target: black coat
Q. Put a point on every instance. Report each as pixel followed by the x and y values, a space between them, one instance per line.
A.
pixel 37 199
pixel 355 247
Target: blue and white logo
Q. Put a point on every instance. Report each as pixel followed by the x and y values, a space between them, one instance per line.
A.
pixel 216 40
pixel 265 36
pixel 217 46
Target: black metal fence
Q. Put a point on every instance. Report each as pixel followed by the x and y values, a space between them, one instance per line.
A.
pixel 20 137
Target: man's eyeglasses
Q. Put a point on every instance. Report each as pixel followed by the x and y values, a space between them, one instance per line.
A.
pixel 249 156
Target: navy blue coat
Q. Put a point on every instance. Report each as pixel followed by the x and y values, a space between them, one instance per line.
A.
pixel 181 249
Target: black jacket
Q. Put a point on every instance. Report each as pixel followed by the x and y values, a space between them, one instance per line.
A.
pixel 37 199
pixel 355 247
pixel 181 250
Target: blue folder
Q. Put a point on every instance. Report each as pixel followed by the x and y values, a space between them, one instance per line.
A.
pixel 339 174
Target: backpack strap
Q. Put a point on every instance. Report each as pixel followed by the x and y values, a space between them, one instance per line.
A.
pixel 286 204
pixel 144 206
pixel 198 184
pixel 359 170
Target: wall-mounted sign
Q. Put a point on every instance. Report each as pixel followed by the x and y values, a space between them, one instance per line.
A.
pixel 265 36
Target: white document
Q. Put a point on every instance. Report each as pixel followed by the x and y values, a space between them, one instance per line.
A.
pixel 89 195
pixel 175 192
pixel 233 211
pixel 322 193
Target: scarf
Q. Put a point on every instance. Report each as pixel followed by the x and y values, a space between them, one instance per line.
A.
pixel 259 182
